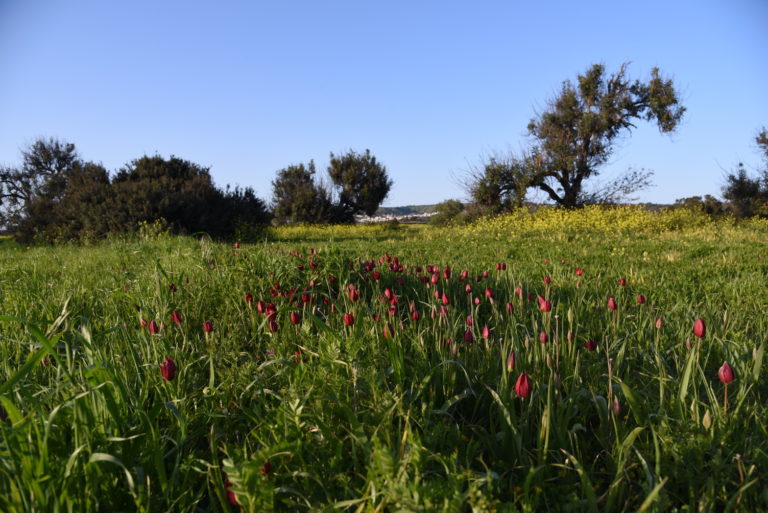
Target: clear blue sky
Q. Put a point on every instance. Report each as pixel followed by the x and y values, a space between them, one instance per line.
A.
pixel 250 87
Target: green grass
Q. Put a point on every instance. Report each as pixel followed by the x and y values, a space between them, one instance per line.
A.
pixel 390 414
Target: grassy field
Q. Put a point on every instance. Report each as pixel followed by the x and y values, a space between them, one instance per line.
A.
pixel 335 369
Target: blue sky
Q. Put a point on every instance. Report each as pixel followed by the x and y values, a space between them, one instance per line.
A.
pixel 250 87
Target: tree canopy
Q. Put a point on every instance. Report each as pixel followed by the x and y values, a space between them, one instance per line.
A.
pixel 747 195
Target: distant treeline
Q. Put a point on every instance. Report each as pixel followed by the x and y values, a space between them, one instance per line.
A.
pixel 56 196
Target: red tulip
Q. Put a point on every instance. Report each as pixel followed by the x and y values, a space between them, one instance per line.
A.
pixel 591 345
pixel 142 322
pixel 468 288
pixel 168 369
pixel 640 299
pixel 544 305
pixel 579 271
pixel 446 301
pixel 468 337
pixel 237 245
pixel 435 278
pixel 477 301
pixel 295 317
pixel 489 293
pixel 415 315
pixel 659 322
pixel 699 328
pixel 543 338
pixel 248 298
pixel 349 319
pixel 725 373
pixel 153 328
pixel 447 273
pixel 511 361
pixel 547 280
pixel 470 320
pixel 207 326
pixel 376 275
pixel 611 303
pixel 266 468
pixel 261 306
pixel 176 317
pixel 486 332
pixel 463 275
pixel 509 307
pixel 354 295
pixel 623 282
pixel 273 323
pixel 523 385
pixel 172 287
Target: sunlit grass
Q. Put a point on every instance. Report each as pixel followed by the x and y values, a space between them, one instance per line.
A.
pixel 391 413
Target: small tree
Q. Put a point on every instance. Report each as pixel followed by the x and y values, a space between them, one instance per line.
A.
pixel 447 212
pixel 361 181
pixel 500 184
pixel 577 132
pixel 41 180
pixel 748 196
pixel 177 190
pixel 297 198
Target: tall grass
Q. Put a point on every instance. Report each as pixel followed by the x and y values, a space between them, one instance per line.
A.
pixel 388 413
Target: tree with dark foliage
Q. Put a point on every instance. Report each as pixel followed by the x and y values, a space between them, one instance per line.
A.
pixel 361 182
pixel 576 135
pixel 297 198
pixel 578 131
pixel 748 196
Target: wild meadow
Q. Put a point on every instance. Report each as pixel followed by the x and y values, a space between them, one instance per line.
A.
pixel 596 360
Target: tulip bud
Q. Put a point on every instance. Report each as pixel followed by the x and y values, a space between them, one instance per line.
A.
pixel 623 282
pixel 468 337
pixel 237 245
pixel 699 328
pixel 266 468
pixel 295 317
pixel 544 304
pixel 616 406
pixel 415 315
pixel 523 385
pixel 725 373
pixel 591 345
pixel 463 275
pixel 168 369
pixel 468 288
pixel 354 295
pixel 543 338
pixel 477 301
pixel 447 273
pixel 153 328
pixel 489 293
pixel 569 336
pixel 659 322
pixel 207 326
pixel 547 280
pixel 611 303
pixel 640 299
pixel 446 301
pixel 511 361
pixel 579 271
pixel 349 319
pixel 231 497
pixel 434 279
pixel 486 332
pixel 376 275
pixel 261 306
pixel 509 307
pixel 176 316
